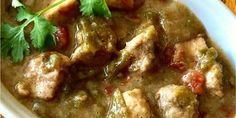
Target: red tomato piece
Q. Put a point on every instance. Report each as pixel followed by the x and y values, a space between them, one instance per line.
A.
pixel 195 80
pixel 109 89
pixel 62 36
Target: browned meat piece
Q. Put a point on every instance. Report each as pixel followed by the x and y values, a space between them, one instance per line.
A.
pixel 186 54
pixel 124 4
pixel 139 52
pixel 136 103
pixel 62 12
pixel 177 102
pixel 130 104
pixel 205 63
pixel 44 73
pixel 95 41
pixel 195 54
pixel 213 72
pixel 142 49
pixel 214 80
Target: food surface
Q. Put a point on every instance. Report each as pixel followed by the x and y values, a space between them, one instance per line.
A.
pixel 113 59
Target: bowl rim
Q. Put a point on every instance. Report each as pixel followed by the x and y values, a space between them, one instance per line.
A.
pixel 11 108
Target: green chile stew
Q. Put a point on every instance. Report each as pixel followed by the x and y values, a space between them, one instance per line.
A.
pixel 148 59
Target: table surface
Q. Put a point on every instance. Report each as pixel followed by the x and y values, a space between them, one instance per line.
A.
pixel 231 4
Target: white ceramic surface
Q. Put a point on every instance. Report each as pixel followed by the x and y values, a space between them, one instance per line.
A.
pixel 219 22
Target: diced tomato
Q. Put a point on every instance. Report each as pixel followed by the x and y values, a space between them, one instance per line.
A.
pixel 196 81
pixel 228 112
pixel 168 53
pixel 62 36
pixel 109 89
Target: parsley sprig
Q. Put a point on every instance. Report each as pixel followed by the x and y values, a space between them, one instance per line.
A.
pixel 13 42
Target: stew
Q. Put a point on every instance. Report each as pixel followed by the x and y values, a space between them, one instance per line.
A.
pixel 141 59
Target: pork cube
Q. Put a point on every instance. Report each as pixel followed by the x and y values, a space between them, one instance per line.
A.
pixel 118 107
pixel 139 52
pixel 62 12
pixel 186 54
pixel 207 74
pixel 124 4
pixel 96 41
pixel 44 74
pixel 137 105
pixel 214 80
pixel 142 48
pixel 177 102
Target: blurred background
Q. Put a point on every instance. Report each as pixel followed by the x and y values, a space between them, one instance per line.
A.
pixel 231 4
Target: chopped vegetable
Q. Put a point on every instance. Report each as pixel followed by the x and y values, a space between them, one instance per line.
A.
pixel 118 107
pixel 13 39
pixel 208 59
pixel 94 7
pixel 77 100
pixel 119 63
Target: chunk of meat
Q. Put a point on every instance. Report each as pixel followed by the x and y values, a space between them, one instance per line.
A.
pixel 139 52
pixel 214 80
pixel 213 72
pixel 186 54
pixel 43 76
pixel 178 60
pixel 118 107
pixel 177 102
pixel 137 106
pixel 62 12
pixel 96 41
pixel 142 48
pixel 209 72
pixel 124 4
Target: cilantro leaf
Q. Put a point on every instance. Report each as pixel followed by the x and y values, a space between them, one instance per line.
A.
pixel 16 3
pixel 23 15
pixel 94 7
pixel 42 29
pixel 13 42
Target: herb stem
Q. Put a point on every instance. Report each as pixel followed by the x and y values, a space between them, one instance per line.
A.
pixel 49 7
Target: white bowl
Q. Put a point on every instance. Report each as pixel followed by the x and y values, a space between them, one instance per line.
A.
pixel 218 20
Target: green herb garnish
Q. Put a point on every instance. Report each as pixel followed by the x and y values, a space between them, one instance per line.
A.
pixel 94 7
pixel 13 42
